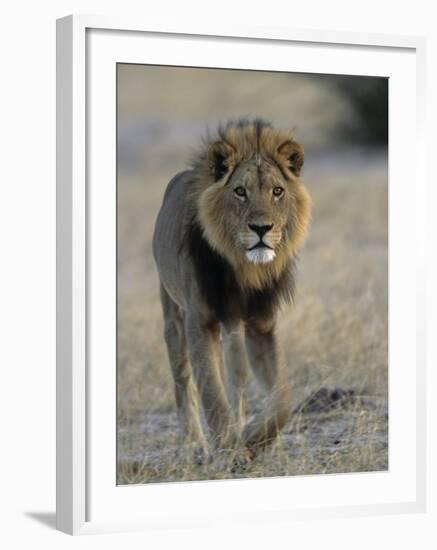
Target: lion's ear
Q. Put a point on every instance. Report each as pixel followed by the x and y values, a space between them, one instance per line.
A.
pixel 293 155
pixel 219 154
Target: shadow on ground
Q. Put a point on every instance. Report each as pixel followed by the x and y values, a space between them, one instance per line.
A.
pixel 45 518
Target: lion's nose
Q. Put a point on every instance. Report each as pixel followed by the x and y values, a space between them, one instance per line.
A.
pixel 260 230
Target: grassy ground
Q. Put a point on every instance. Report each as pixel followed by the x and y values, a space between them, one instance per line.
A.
pixel 334 337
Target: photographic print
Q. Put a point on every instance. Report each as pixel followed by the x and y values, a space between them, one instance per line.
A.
pixel 252 274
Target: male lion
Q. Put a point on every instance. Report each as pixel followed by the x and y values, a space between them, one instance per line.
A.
pixel 225 245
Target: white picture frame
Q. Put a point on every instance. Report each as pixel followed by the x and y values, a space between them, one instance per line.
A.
pixel 75 342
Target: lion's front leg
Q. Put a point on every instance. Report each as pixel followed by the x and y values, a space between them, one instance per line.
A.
pixel 185 391
pixel 203 339
pixel 267 362
pixel 235 368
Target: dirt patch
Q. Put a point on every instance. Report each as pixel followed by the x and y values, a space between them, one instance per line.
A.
pixel 331 431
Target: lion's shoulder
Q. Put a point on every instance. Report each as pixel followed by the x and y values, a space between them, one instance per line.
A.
pixel 178 184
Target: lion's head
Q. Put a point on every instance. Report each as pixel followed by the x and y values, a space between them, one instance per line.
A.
pixel 249 201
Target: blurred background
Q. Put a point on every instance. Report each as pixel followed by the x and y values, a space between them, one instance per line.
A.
pixel 335 336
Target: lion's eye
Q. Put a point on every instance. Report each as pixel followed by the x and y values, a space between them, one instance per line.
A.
pixel 240 191
pixel 277 191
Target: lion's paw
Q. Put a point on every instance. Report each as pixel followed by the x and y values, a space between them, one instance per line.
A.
pixel 193 453
pixel 241 460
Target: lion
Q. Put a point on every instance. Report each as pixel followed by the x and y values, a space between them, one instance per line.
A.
pixel 225 245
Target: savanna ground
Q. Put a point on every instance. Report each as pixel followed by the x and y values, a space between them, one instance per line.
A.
pixel 335 336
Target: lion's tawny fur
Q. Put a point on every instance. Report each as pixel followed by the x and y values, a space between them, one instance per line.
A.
pixel 225 245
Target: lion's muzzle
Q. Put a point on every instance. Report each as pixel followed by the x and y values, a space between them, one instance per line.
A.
pixel 260 243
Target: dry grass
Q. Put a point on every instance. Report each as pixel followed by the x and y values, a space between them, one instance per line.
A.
pixel 335 335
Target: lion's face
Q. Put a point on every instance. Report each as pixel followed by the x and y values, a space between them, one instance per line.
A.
pixel 260 204
pixel 253 208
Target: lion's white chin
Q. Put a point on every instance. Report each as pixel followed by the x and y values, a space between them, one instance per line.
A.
pixel 260 255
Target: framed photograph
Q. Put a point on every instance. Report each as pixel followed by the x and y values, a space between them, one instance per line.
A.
pixel 240 269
